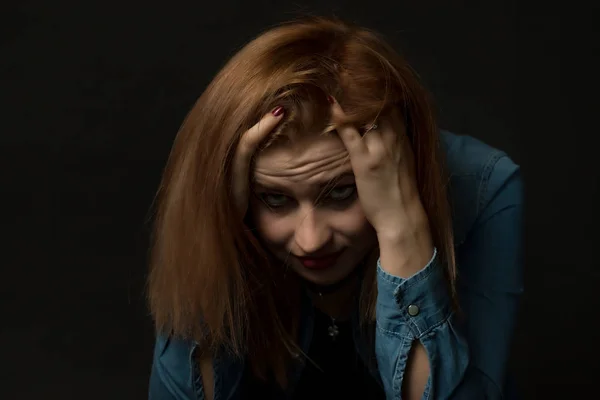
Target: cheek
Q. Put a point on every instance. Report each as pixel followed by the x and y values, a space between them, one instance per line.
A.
pixel 270 227
pixel 276 229
pixel 352 222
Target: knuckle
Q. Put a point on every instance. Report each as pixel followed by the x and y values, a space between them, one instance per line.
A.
pixel 371 165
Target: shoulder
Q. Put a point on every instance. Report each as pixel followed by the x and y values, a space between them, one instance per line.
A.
pixel 176 369
pixel 172 367
pixel 478 173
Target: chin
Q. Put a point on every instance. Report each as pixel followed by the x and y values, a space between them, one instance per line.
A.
pixel 323 278
pixel 327 276
pixel 346 264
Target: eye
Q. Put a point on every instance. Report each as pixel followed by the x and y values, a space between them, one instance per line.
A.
pixel 274 200
pixel 341 193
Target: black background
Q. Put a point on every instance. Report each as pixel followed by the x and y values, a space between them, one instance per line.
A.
pixel 92 95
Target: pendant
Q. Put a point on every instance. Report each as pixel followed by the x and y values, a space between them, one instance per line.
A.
pixel 333 330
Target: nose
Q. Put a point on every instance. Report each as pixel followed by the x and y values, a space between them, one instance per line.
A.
pixel 312 232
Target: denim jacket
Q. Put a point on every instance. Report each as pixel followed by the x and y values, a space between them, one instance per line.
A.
pixel 467 353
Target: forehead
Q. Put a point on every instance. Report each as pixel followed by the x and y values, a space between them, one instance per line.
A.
pixel 285 152
pixel 311 157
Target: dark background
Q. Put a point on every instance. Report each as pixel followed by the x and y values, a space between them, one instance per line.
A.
pixel 92 95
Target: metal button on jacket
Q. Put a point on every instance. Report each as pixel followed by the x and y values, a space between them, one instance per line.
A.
pixel 413 310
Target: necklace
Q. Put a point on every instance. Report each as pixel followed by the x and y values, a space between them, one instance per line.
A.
pixel 328 289
pixel 332 330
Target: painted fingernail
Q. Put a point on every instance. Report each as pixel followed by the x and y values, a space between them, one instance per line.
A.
pixel 330 99
pixel 277 111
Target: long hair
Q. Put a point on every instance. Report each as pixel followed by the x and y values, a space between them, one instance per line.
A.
pixel 210 279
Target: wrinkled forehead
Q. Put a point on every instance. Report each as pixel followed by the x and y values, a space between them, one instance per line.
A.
pixel 300 151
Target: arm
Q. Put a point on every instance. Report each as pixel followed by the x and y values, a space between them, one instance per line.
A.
pixel 491 283
pixel 457 359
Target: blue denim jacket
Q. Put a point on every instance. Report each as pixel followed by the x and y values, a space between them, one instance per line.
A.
pixel 467 354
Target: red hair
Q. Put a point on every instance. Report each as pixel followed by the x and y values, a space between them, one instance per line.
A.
pixel 210 279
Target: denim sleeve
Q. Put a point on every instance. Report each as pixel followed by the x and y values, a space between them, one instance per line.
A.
pixel 158 389
pixel 467 351
pixel 171 377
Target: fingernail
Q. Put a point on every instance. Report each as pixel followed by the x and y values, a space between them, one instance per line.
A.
pixel 277 111
pixel 330 99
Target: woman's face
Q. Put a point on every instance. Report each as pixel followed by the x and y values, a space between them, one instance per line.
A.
pixel 306 210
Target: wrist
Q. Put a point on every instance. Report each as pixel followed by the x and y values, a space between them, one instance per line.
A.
pixel 403 254
pixel 405 231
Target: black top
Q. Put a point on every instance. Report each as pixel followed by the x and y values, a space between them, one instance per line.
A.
pixel 339 372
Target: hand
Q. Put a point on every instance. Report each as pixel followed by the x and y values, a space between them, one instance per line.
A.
pixel 243 156
pixel 383 164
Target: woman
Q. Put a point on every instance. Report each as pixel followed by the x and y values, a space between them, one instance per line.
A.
pixel 318 236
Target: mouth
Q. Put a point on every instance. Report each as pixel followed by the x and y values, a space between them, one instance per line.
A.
pixel 317 263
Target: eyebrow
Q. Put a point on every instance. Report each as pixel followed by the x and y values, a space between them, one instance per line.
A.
pixel 322 185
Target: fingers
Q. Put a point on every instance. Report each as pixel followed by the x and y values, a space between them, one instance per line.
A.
pixel 255 135
pixel 404 143
pixel 374 141
pixel 347 132
pixel 383 140
pixel 247 146
pixel 389 134
pixel 377 140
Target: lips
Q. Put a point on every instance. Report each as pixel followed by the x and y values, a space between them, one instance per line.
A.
pixel 319 262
